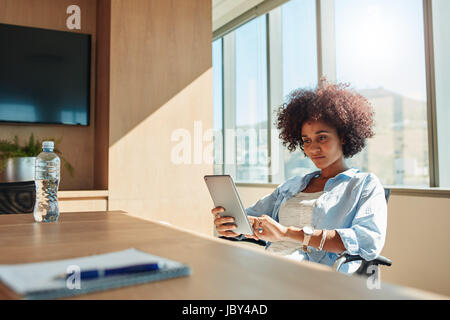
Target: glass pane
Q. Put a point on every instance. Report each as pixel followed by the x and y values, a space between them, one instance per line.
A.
pixel 299 66
pixel 217 63
pixel 251 102
pixel 380 52
pixel 441 37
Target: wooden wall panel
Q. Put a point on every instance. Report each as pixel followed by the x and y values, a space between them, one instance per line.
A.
pixel 161 81
pixel 102 95
pixel 417 242
pixel 78 142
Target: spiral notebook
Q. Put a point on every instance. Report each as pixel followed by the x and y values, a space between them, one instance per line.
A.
pixel 39 280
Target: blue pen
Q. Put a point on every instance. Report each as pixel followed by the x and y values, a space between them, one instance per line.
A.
pixel 99 273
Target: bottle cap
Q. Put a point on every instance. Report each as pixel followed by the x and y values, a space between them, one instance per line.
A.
pixel 48 145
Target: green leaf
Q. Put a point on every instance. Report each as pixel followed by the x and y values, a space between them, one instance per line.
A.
pixel 31 149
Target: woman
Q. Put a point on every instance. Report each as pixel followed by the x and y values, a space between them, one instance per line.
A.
pixel 317 216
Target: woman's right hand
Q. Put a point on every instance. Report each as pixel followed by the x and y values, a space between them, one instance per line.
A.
pixel 225 225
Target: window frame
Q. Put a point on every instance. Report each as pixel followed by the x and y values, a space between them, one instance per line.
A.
pixel 433 156
pixel 326 66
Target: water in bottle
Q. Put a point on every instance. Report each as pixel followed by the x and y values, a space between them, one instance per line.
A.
pixel 47 181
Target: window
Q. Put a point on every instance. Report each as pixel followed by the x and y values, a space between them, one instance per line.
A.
pixel 441 37
pixel 251 101
pixel 379 47
pixel 380 52
pixel 299 43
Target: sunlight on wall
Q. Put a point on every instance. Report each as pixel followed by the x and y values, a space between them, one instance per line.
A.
pixel 143 179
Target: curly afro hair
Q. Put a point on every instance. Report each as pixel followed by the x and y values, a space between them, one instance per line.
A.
pixel 344 109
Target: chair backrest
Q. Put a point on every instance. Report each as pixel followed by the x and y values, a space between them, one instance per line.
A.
pixel 387 193
pixel 362 270
pixel 17 197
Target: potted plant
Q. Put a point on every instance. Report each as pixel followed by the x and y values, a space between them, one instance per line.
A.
pixel 17 162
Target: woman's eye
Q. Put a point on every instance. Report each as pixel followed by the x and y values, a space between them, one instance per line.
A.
pixel 306 141
pixel 322 138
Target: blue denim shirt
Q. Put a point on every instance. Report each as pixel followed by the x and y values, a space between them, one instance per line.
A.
pixel 353 203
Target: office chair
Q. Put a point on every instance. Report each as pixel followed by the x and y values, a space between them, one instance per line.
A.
pixel 362 270
pixel 343 258
pixel 17 197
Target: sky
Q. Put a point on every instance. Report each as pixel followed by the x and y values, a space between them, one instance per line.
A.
pixel 381 43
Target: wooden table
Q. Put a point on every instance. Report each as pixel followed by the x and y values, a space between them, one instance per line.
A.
pixel 220 269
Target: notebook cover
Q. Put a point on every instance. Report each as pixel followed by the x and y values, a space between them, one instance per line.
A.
pixel 37 280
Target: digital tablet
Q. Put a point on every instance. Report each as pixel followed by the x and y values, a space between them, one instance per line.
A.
pixel 224 194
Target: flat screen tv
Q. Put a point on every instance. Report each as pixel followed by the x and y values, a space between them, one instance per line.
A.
pixel 44 76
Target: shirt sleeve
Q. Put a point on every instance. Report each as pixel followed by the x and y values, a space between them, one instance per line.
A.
pixel 265 205
pixel 366 236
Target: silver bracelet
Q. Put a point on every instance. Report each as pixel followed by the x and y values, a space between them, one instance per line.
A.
pixel 324 237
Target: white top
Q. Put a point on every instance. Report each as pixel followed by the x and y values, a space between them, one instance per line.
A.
pixel 295 212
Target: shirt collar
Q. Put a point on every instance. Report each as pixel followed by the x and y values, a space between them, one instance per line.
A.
pixel 348 173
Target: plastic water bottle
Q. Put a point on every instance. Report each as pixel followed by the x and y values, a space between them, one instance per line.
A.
pixel 47 180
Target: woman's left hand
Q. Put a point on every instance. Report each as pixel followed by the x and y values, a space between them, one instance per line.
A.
pixel 271 230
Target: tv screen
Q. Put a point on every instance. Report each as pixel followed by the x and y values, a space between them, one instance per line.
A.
pixel 44 76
